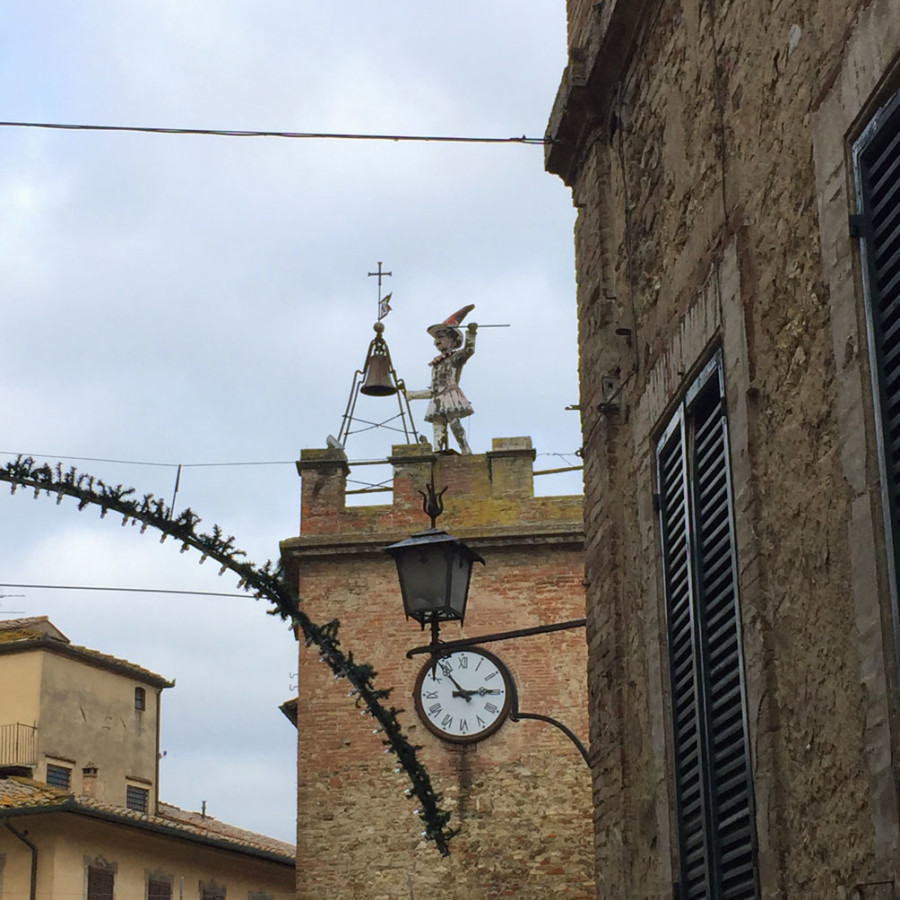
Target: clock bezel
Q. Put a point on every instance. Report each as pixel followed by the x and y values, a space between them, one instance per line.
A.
pixel 505 710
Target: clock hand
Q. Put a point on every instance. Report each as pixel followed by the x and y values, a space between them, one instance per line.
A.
pixel 461 691
pixel 482 691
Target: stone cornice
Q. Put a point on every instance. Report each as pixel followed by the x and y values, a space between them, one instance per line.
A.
pixel 331 546
pixel 588 83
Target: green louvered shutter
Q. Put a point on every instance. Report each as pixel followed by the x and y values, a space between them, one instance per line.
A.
pixel 877 157
pixel 716 829
pixel 683 660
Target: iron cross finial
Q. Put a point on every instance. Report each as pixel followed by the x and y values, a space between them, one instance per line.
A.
pixel 383 307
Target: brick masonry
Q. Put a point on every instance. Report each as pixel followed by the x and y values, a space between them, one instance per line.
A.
pixel 522 797
pixel 707 148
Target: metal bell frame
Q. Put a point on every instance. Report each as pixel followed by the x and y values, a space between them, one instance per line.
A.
pixel 378 378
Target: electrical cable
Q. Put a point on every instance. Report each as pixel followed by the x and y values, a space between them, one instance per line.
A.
pixel 309 135
pixel 205 465
pixel 124 590
pixel 134 462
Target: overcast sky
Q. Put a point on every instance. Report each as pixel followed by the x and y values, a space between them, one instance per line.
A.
pixel 205 300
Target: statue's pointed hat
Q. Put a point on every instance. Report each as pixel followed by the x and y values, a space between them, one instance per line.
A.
pixel 452 321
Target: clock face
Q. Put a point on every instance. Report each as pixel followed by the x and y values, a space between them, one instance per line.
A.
pixel 465 697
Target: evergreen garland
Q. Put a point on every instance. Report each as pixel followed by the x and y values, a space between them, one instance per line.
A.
pixel 265 582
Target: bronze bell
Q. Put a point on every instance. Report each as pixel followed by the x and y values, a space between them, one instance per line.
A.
pixel 378 381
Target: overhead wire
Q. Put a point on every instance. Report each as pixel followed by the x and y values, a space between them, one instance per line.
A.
pixel 207 465
pixel 124 590
pixel 294 135
pixel 135 462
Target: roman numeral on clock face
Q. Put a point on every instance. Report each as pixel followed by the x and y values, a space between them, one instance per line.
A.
pixel 464 696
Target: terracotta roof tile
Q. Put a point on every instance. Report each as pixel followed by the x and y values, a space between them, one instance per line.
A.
pixel 20 793
pixel 24 794
pixel 224 830
pixel 26 637
pixel 33 625
pixel 119 663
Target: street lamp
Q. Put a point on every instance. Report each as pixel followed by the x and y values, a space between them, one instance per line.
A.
pixel 435 570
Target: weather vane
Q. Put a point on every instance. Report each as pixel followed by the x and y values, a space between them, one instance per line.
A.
pixel 384 303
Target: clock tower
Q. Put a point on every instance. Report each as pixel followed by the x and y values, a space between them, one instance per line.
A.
pixel 519 792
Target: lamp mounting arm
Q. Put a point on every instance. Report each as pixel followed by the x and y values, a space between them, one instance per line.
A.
pixel 517 716
pixel 450 646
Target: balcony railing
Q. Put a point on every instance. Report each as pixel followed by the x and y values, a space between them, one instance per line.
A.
pixel 18 745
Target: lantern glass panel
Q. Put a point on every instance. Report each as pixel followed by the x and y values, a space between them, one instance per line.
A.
pixel 434 571
pixel 460 570
pixel 423 577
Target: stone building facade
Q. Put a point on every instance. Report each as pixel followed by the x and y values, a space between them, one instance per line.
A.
pixel 522 796
pixel 734 165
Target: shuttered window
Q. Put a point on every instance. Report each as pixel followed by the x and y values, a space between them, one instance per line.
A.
pixel 101 884
pixel 877 163
pixel 137 798
pixel 159 888
pixel 59 776
pixel 714 794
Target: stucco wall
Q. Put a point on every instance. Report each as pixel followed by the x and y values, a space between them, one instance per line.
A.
pixel 521 797
pixel 68 843
pixel 88 715
pixel 23 704
pixel 701 215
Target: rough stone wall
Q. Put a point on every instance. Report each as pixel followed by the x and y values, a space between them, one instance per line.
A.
pixel 692 165
pixel 522 797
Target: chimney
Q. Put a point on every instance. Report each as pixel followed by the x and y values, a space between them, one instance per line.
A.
pixel 89 780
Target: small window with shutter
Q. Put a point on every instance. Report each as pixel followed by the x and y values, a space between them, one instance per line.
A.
pixel 713 785
pixel 159 887
pixel 59 776
pixel 137 798
pixel 100 883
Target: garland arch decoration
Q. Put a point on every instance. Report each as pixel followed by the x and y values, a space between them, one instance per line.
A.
pixel 266 582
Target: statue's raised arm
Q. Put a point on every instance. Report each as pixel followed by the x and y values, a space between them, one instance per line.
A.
pixel 448 403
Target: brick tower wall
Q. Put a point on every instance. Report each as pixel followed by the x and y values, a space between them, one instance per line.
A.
pixel 522 797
